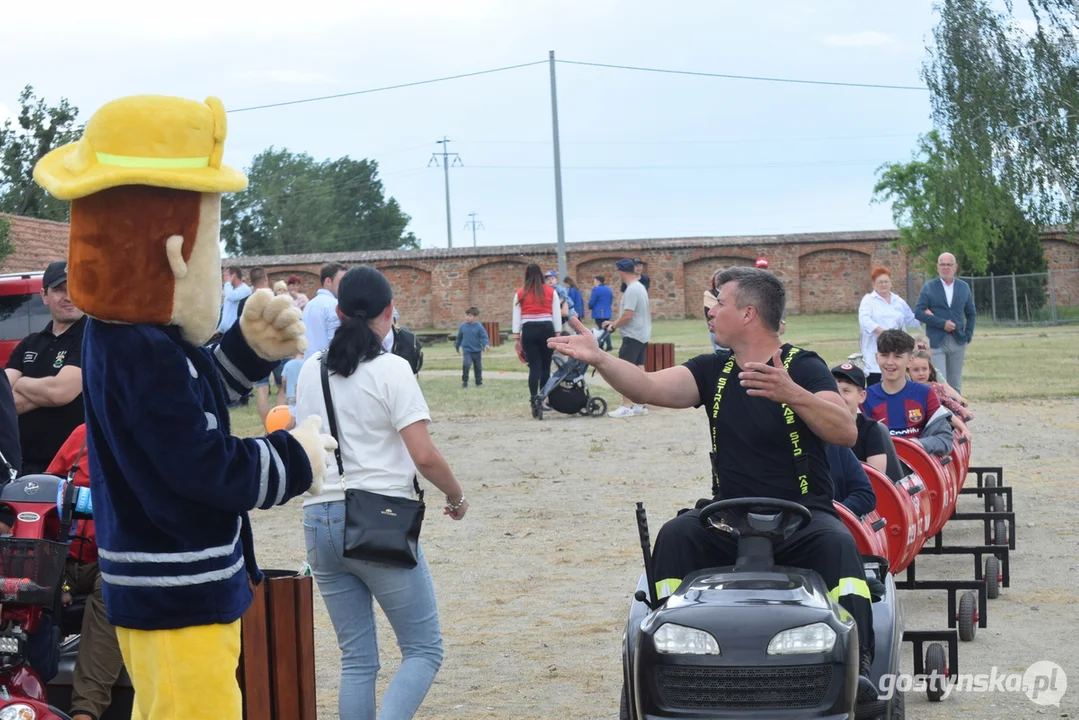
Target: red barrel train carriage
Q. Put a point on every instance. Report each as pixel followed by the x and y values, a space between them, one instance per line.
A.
pixel 908 521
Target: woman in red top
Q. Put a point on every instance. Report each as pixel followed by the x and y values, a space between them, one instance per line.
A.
pixel 536 318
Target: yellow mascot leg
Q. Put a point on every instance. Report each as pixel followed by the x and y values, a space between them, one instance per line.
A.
pixel 184 674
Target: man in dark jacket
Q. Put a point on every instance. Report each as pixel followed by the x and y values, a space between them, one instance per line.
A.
pixel 946 306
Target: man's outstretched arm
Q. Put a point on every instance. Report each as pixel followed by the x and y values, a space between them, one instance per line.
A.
pixel 674 387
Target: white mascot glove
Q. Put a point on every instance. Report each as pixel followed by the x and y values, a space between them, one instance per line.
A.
pixel 272 326
pixel 316 445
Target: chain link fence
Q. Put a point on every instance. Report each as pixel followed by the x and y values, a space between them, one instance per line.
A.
pixel 1048 298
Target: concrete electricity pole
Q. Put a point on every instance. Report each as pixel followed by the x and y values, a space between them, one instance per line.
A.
pixel 473 223
pixel 558 173
pixel 445 143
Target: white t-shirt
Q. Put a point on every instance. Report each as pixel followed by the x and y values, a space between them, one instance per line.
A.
pixel 372 406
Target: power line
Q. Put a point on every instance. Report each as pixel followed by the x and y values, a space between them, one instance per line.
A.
pixel 387 87
pixel 733 141
pixel 745 77
pixel 474 224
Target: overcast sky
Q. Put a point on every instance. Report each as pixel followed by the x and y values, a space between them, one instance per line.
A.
pixel 643 154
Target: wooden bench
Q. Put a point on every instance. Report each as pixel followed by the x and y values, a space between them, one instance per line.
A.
pixel 432 338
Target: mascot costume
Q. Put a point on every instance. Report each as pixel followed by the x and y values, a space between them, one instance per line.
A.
pixel 171 486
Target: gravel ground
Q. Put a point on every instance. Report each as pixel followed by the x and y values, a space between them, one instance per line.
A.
pixel 535 583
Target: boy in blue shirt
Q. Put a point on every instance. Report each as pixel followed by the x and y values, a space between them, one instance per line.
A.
pixel 471 341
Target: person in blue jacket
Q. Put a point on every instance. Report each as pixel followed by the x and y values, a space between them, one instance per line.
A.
pixel 852 487
pixel 576 300
pixel 599 303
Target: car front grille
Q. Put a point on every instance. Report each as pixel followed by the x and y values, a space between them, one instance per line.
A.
pixel 799 686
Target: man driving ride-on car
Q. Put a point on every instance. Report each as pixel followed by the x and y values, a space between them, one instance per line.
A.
pixel 772 408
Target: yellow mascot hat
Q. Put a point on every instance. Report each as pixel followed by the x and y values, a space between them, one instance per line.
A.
pixel 152 140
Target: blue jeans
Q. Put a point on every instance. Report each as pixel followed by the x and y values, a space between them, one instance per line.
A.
pixel 406 596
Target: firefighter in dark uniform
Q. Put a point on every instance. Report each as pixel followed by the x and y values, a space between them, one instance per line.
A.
pixel 45 372
pixel 772 409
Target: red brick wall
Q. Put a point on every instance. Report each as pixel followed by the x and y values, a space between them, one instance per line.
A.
pixel 491 287
pixel 825 272
pixel 698 275
pixel 1063 259
pixel 411 294
pixel 833 279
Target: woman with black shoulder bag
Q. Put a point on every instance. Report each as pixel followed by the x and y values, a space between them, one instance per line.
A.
pixel 362 530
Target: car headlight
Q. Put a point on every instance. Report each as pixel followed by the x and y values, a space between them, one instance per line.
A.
pixel 815 638
pixel 9 645
pixel 674 639
pixel 18 712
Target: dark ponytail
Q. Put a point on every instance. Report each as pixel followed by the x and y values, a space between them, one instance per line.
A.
pixel 362 294
pixel 353 343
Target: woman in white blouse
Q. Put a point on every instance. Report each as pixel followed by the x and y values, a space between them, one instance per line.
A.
pixel 881 310
pixel 382 421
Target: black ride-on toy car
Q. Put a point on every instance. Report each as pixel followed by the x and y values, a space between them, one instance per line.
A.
pixel 754 640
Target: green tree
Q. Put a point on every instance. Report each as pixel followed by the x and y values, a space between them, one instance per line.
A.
pixel 6 246
pixel 38 129
pixel 938 207
pixel 295 205
pixel 1006 101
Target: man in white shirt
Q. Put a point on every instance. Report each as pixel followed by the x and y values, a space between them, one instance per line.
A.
pixel 235 290
pixel 320 315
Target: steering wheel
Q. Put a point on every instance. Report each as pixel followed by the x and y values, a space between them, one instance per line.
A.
pixel 760 516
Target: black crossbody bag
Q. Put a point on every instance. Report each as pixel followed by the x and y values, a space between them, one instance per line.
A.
pixel 378 528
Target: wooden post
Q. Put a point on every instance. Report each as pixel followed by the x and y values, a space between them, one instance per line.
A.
pixel 658 356
pixel 254 668
pixel 493 333
pixel 277 664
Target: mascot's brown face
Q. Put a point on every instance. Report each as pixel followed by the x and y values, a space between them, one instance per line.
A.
pixel 141 254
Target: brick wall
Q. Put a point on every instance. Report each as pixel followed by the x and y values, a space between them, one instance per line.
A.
pixel 833 279
pixel 822 272
pixel 1063 259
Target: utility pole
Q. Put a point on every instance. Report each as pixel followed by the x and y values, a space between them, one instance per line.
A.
pixel 473 223
pixel 558 173
pixel 445 143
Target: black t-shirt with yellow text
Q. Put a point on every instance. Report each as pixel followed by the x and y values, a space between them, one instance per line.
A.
pixel 754 450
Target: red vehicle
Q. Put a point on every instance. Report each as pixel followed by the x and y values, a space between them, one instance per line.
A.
pixel 22 311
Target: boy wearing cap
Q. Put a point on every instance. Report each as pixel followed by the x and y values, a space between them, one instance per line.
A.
pixel 874 445
pixel 45 372
pixel 551 278
pixel 635 322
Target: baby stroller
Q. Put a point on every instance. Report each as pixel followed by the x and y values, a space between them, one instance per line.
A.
pixel 567 390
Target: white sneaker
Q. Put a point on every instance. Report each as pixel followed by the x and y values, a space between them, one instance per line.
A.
pixel 640 410
pixel 622 412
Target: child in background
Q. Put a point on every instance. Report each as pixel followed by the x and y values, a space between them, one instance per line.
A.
pixel 471 341
pixel 290 373
pixel 921 370
pixel 874 445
